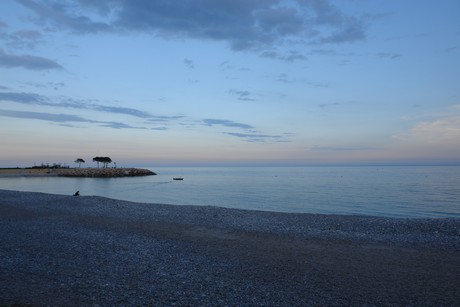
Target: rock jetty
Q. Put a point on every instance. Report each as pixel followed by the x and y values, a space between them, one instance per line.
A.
pixel 104 172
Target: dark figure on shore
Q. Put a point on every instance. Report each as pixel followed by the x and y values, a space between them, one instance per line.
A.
pixel 77 193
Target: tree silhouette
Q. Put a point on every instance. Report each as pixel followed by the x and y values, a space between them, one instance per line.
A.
pixel 104 160
pixel 79 161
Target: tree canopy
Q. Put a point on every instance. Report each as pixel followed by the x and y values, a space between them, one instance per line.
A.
pixel 104 160
pixel 79 161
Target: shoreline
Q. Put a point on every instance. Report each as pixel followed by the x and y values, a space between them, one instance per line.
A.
pixel 95 250
pixel 75 172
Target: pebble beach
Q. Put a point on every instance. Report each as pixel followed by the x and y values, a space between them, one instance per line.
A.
pixel 64 251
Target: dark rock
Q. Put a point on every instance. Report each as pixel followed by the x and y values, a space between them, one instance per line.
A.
pixel 104 172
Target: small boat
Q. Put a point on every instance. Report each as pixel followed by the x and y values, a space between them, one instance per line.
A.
pixel 178 178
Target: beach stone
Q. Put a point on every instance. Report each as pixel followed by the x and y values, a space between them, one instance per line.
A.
pixel 103 172
pixel 60 250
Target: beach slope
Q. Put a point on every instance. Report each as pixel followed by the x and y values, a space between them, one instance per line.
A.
pixel 64 250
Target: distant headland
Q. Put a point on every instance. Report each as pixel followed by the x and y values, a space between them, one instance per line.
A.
pixel 65 171
pixel 76 172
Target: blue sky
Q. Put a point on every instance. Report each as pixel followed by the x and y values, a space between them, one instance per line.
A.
pixel 230 82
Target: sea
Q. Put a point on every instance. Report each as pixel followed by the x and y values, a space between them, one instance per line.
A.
pixel 388 191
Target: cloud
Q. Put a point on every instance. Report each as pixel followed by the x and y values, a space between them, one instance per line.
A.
pixel 242 24
pixel 35 99
pixel 290 57
pixel 451 49
pixel 189 63
pixel 159 128
pixel 327 105
pixel 117 110
pixel 118 125
pixel 63 119
pixel 283 78
pixel 227 66
pixel 293 56
pixel 248 134
pixel 53 85
pixel 444 130
pixel 27 61
pixel 242 95
pixel 26 98
pixel 64 102
pixel 339 149
pixel 353 30
pixel 226 123
pixel 316 84
pixel 50 117
pixel 23 38
pixel 257 137
pixel 62 15
pixel 163 119
pixel 388 55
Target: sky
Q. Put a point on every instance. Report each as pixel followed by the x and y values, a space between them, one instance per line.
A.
pixel 230 82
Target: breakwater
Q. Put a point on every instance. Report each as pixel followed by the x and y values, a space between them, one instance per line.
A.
pixel 103 172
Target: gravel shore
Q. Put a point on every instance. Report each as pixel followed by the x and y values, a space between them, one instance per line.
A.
pixel 65 251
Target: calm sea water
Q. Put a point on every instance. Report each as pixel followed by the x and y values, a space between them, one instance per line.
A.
pixel 415 192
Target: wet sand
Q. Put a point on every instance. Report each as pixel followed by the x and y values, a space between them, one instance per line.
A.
pixel 65 250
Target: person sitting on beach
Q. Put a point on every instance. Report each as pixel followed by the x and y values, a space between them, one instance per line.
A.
pixel 77 193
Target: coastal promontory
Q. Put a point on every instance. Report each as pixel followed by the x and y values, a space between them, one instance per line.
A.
pixel 104 172
pixel 78 172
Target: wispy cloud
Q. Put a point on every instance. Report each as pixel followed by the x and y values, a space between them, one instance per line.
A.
pixel 62 118
pixel 352 30
pixel 53 85
pixel 228 66
pixel 242 95
pixel 26 98
pixel 189 63
pixel 445 130
pixel 118 125
pixel 290 57
pixel 226 123
pixel 283 78
pixel 388 55
pixel 246 131
pixel 327 105
pixel 65 102
pixel 340 148
pixel 451 49
pixel 27 61
pixel 257 137
pixel 49 117
pixel 22 39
